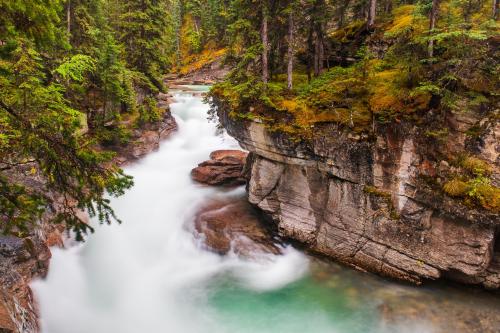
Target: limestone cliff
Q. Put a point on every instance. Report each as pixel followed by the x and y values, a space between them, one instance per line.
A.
pixel 367 202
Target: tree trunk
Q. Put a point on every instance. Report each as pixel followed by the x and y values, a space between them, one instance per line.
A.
pixel 321 56
pixel 432 25
pixel 310 52
pixel 289 71
pixel 316 54
pixel 388 6
pixel 265 47
pixel 342 13
pixel 495 9
pixel 372 11
pixel 68 18
pixel 318 49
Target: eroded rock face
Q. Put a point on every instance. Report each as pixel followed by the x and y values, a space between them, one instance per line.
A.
pixel 232 224
pixel 22 260
pixel 364 203
pixel 146 139
pixel 225 168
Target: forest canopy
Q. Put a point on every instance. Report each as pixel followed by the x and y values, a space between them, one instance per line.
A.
pixel 70 68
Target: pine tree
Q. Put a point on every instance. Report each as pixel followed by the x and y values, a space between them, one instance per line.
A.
pixel 142 27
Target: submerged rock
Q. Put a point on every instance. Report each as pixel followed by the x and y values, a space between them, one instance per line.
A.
pixel 234 225
pixel 225 168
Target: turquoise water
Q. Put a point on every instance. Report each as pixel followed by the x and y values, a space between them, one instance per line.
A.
pixel 303 306
pixel 333 298
pixel 188 87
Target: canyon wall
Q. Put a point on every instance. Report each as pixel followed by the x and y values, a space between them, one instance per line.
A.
pixel 368 203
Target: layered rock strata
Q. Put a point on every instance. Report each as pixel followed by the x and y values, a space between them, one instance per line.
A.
pixel 366 203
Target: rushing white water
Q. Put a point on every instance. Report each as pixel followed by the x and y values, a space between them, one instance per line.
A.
pixel 149 274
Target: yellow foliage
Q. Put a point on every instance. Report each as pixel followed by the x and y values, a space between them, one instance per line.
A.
pixel 403 19
pixel 186 28
pixel 289 105
pixel 197 61
pixel 489 197
pixel 455 188
pixel 348 32
pixel 476 165
pixel 388 94
pixel 382 96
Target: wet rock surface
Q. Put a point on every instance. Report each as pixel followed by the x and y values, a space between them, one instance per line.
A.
pixel 232 224
pixel 21 260
pixel 207 75
pixel 225 168
pixel 366 204
pixel 145 139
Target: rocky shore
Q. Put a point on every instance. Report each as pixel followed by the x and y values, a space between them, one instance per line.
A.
pixel 366 203
pixel 148 137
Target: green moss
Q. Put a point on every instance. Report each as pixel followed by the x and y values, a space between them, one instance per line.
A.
pixel 455 188
pixel 476 166
pixel 376 192
pixel 386 196
pixel 349 32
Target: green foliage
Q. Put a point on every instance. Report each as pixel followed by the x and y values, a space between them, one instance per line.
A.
pixel 41 127
pixel 142 26
pixel 478 189
pixel 60 73
pixel 472 183
pixel 76 68
pixel 149 112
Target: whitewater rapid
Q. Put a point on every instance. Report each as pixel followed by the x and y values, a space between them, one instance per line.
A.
pixel 149 274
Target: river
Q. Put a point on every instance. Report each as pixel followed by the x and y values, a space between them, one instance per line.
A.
pixel 150 274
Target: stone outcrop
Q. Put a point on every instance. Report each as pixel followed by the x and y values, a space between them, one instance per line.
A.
pixel 146 138
pixel 232 224
pixel 21 260
pixel 366 203
pixel 209 74
pixel 224 168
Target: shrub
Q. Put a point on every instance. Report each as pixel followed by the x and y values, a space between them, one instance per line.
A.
pixel 476 166
pixel 455 188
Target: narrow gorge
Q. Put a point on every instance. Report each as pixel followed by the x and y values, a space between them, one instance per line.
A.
pixel 241 166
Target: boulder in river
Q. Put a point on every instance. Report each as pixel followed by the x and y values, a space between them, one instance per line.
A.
pixel 225 168
pixel 233 224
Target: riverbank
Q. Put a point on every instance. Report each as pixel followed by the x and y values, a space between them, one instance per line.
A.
pixel 23 259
